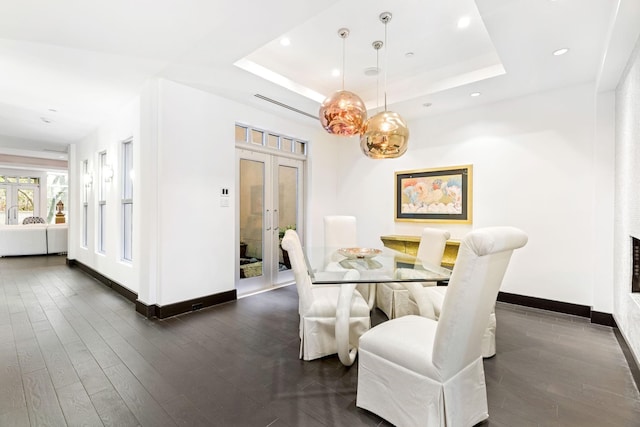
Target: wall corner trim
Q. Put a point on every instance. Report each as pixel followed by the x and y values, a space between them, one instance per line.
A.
pixel 605 319
pixel 122 290
pixel 182 307
pixel 634 366
pixel 154 310
pixel 597 317
pixel 545 304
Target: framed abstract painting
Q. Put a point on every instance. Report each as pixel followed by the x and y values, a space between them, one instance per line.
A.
pixel 434 195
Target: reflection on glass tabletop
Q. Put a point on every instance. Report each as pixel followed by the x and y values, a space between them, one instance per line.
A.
pixel 360 263
pixel 359 253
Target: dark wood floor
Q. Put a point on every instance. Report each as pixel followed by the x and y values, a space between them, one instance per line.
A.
pixel 73 352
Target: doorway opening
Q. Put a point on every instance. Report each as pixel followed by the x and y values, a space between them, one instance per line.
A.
pixel 270 183
pixel 19 198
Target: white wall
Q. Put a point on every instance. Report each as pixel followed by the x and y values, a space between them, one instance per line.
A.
pixel 533 168
pixel 108 137
pixel 324 183
pixel 146 196
pixel 602 198
pixel 627 203
pixel 196 237
pixel 184 153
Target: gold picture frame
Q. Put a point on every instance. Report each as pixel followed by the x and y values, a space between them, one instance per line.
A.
pixel 435 195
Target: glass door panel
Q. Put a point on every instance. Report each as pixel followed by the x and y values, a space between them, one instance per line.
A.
pixel 252 177
pixel 26 203
pixel 18 202
pixel 3 205
pixel 289 206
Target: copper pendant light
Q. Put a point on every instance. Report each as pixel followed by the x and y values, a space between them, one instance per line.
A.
pixel 343 113
pixel 385 135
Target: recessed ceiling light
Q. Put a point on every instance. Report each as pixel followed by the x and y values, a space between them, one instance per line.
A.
pixel 285 41
pixel 464 22
pixel 560 51
pixel 53 110
pixel 409 54
pixel 474 94
pixel 46 120
pixel 335 72
pixel 427 104
pixel 371 71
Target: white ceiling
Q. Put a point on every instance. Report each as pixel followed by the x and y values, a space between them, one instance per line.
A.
pixel 71 63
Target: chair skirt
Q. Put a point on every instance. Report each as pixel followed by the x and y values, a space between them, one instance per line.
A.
pixel 489 338
pixel 368 292
pixel 393 300
pixel 318 335
pixel 460 401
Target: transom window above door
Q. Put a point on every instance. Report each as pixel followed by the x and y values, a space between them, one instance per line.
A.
pixel 255 137
pixel 19 179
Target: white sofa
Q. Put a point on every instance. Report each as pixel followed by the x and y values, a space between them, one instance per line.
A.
pixel 57 238
pixel 33 239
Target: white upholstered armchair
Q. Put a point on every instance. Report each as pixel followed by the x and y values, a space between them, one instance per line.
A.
pixel 415 371
pixel 317 307
pixel 393 298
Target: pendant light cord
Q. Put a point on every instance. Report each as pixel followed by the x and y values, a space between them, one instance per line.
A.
pixel 378 79
pixel 386 64
pixel 344 48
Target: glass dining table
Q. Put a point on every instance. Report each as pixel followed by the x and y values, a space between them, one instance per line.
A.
pixel 349 267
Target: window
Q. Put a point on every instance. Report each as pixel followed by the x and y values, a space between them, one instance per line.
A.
pixel 271 141
pixel 127 200
pixel 102 202
pixel 19 198
pixel 3 203
pixel 241 133
pixel 85 203
pixel 57 191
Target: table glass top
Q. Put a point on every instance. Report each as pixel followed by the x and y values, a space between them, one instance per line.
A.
pixel 373 265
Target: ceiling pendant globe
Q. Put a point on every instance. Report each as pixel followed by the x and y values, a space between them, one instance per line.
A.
pixel 343 113
pixel 384 136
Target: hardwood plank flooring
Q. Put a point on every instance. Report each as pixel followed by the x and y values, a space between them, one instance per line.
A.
pixel 77 407
pixel 73 352
pixel 11 390
pixel 112 410
pixel 42 402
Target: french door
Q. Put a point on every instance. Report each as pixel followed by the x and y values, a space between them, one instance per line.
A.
pixel 18 201
pixel 270 202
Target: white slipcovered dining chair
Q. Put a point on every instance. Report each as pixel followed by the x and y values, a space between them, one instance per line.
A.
pixel 317 307
pixel 340 231
pixel 393 298
pixel 428 302
pixel 415 371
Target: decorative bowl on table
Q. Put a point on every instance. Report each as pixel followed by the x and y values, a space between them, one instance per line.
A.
pixel 359 253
